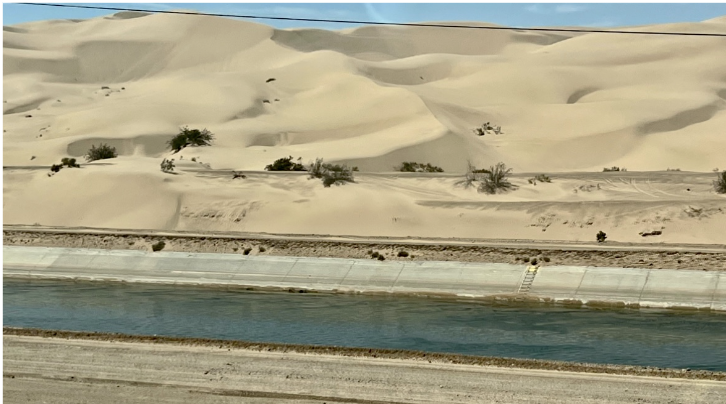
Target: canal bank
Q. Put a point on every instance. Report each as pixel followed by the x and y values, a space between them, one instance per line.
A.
pixel 112 370
pixel 590 286
pixel 607 254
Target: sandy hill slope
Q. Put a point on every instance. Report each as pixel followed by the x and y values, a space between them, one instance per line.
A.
pixel 372 97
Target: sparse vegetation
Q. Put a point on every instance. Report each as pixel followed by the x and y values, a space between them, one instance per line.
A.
pixel 285 164
pixel 719 184
pixel 330 173
pixel 101 152
pixel 487 128
pixel 316 169
pixel 338 175
pixel 495 180
pixel 601 236
pixel 190 137
pixel 613 168
pixel 69 162
pixel 167 166
pixel 673 169
pixel 491 181
pixel 65 162
pixel 540 178
pixel 158 246
pixel 236 174
pixel 470 178
pixel 412 167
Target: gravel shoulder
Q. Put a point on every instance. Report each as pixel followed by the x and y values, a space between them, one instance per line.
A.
pixel 67 367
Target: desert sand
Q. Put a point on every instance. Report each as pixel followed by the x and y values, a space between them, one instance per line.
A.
pixel 372 97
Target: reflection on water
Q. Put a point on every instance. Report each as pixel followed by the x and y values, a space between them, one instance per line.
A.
pixel 645 337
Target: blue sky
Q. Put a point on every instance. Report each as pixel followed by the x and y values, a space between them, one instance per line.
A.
pixel 518 14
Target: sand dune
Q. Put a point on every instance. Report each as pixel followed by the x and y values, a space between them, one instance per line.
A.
pixel 371 97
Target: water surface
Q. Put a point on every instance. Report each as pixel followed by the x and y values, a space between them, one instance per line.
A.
pixel 635 337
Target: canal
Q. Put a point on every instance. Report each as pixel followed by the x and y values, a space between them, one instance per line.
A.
pixel 660 338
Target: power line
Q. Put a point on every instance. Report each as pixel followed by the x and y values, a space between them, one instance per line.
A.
pixel 404 24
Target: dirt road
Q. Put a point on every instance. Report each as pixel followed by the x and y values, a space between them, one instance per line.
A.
pixel 72 371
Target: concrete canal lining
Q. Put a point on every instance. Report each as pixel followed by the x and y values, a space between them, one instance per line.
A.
pixel 590 285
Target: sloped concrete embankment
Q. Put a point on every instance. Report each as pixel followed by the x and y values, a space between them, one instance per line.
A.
pixel 591 286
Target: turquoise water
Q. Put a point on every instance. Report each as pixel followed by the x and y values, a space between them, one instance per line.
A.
pixel 633 337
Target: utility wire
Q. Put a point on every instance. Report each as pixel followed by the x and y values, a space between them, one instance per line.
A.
pixel 404 24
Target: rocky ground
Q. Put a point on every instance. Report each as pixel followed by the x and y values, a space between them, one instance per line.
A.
pixel 657 256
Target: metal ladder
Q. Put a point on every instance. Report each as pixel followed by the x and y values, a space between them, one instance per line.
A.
pixel 527 281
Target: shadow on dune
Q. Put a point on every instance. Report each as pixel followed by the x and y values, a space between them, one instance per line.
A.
pixel 147 145
pixel 680 120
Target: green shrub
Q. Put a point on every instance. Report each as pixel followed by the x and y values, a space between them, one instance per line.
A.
pixel 285 164
pixel 330 173
pixel 375 254
pixel 316 169
pixel 533 261
pixel 101 152
pixel 262 249
pixel 247 251
pixel 403 254
pixel 719 184
pixel 56 167
pixel 69 162
pixel 190 137
pixel 337 175
pixel 494 180
pixel 614 168
pixel 158 246
pixel 412 167
pixel 381 258
pixel 167 166
pixel 491 181
pixel 546 259
pixel 601 236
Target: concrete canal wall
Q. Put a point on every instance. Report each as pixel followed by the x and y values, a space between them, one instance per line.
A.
pixel 589 285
